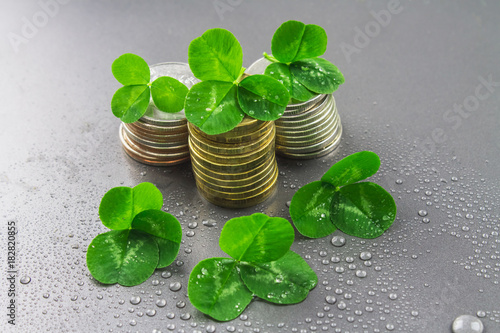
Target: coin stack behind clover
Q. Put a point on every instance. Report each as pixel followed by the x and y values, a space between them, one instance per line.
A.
pixel 160 138
pixel 235 169
pixel 307 129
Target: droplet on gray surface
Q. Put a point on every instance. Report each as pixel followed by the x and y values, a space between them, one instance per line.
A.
pixel 150 312
pixel 360 273
pixel 365 255
pixel 467 324
pixel 161 303
pixel 25 280
pixel 175 286
pixel 422 212
pixel 331 299
pixel 338 241
pixel 135 300
pixel 166 274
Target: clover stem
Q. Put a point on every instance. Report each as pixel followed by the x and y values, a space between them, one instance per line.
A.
pixel 270 57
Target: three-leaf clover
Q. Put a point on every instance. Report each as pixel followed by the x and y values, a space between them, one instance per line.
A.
pixel 261 265
pixel 131 101
pixel 219 103
pixel 295 50
pixel 143 237
pixel 363 209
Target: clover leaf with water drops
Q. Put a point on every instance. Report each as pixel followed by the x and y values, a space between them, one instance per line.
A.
pixel 339 200
pixel 130 102
pixel 262 265
pixel 295 50
pixel 219 103
pixel 143 237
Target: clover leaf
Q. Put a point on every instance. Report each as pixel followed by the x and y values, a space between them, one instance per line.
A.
pixel 127 257
pixel 145 238
pixel 262 265
pixel 296 47
pixel 216 289
pixel 130 102
pixel 121 204
pixel 363 210
pixel 218 103
pixel 256 238
pixel 216 55
pixel 284 281
pixel 294 41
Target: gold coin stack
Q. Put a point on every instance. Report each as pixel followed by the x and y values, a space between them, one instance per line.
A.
pixel 306 130
pixel 235 169
pixel 159 138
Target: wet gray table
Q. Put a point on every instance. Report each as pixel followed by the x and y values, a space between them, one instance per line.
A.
pixel 422 90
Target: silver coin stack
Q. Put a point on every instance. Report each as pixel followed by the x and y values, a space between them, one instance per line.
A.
pixel 160 138
pixel 307 129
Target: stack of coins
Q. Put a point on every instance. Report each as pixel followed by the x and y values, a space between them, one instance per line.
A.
pixel 307 129
pixel 160 138
pixel 235 169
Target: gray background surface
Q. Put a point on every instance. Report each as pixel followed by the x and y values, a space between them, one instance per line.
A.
pixel 60 153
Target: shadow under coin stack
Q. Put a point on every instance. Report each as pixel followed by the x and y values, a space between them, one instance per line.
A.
pixel 235 169
pixel 160 138
pixel 307 129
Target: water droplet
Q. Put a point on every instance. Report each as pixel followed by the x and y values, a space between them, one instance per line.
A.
pixel 185 316
pixel 467 324
pixel 150 312
pixel 175 286
pixel 210 328
pixel 331 299
pixel 360 273
pixel 133 322
pixel 25 280
pixel 135 300
pixel 338 241
pixel 393 296
pixel 161 303
pixel 166 274
pixel 399 181
pixel 365 256
pixel 481 314
pixel 192 225
pixel 422 213
pixel 209 223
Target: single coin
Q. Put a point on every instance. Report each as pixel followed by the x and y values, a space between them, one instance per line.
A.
pixel 317 123
pixel 151 160
pixel 233 148
pixel 235 158
pixel 232 174
pixel 307 140
pixel 221 180
pixel 322 111
pixel 156 129
pixel 298 108
pixel 316 154
pixel 240 203
pixel 320 107
pixel 240 195
pixel 162 153
pixel 157 137
pixel 311 148
pixel 155 144
pixel 235 188
pixel 226 138
pixel 235 166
